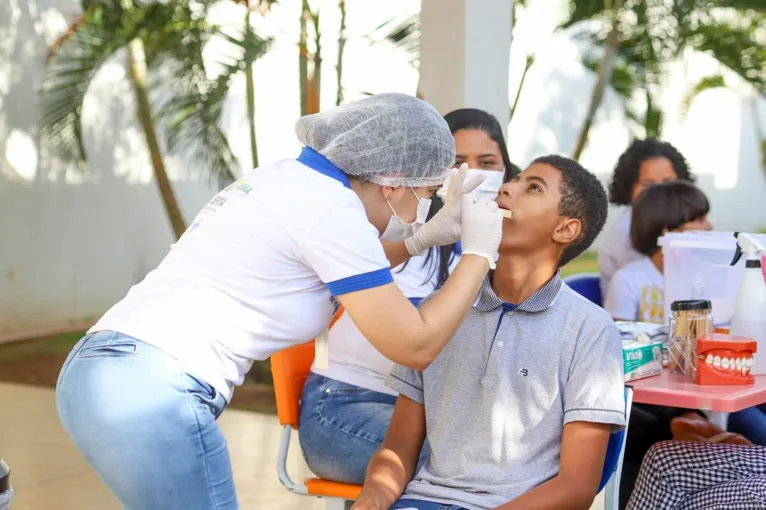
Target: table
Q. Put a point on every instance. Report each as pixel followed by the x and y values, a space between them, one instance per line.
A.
pixel 675 390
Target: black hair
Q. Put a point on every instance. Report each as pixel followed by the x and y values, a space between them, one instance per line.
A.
pixel 440 258
pixel 582 197
pixel 626 172
pixel 471 118
pixel 664 206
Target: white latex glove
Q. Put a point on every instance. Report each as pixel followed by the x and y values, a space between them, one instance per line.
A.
pixel 444 228
pixel 482 230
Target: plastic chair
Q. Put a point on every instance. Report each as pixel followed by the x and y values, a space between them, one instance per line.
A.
pixel 615 452
pixel 588 285
pixel 290 368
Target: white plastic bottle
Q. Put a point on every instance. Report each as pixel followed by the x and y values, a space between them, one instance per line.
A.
pixel 750 311
pixel 6 491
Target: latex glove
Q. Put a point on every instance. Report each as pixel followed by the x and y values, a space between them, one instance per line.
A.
pixel 482 230
pixel 444 228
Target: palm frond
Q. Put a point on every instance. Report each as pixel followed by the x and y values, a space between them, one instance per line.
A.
pixel 706 83
pixel 192 109
pixel 73 62
pixel 402 33
pixel 737 47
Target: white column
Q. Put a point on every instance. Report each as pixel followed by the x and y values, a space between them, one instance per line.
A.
pixel 464 55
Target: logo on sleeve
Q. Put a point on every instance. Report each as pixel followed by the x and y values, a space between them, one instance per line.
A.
pixel 335 304
pixel 524 372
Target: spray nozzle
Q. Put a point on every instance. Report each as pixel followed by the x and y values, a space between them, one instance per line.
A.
pixel 748 244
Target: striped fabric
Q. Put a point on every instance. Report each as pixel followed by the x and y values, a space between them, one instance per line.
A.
pixel 538 302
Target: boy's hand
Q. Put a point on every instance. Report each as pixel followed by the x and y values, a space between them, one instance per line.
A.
pixel 366 503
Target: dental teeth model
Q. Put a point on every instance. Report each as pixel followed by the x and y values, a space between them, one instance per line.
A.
pixel 736 365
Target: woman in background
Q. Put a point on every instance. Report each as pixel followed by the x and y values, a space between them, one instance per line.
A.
pixel 636 291
pixel 644 163
pixel 346 408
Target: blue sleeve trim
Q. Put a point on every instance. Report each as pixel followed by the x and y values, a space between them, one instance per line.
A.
pixel 360 282
pixel 458 248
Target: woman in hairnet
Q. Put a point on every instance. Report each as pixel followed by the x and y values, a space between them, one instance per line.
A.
pixel 263 267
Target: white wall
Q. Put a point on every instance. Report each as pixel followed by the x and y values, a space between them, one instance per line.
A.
pixel 71 244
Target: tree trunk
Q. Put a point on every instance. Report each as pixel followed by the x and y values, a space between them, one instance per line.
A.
pixel 315 82
pixel 604 75
pixel 341 46
pixel 250 86
pixel 137 65
pixel 303 56
pixel 527 65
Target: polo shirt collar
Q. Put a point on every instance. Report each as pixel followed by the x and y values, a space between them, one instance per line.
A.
pixel 537 302
pixel 324 166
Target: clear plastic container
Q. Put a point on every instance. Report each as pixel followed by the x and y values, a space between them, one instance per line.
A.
pixel 689 320
pixel 698 265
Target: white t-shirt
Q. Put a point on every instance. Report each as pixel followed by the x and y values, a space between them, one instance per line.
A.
pixel 256 270
pixel 616 250
pixel 353 359
pixel 637 293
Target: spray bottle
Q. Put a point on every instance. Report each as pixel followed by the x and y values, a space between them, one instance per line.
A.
pixel 750 311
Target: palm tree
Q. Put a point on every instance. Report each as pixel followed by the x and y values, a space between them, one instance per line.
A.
pixel 309 76
pixel 341 46
pixel 164 43
pixel 652 33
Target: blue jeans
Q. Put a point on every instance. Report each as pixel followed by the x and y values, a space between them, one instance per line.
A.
pixel 145 425
pixel 751 423
pixel 415 504
pixel 341 427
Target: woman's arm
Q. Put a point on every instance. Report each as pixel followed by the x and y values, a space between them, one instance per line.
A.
pixel 414 337
pixel 396 253
pixel 393 466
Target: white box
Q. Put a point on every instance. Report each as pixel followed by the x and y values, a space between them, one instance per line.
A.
pixel 703 259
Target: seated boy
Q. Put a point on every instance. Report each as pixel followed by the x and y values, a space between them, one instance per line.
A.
pixel 518 407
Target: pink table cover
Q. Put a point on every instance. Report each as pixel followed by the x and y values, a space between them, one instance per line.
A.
pixel 675 390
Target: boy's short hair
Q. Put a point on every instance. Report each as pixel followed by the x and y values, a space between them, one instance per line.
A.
pixel 626 172
pixel 667 205
pixel 582 197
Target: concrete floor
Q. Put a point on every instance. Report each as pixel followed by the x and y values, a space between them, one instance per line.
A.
pixel 49 474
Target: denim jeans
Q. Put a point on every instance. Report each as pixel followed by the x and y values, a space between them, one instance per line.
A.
pixel 415 504
pixel 146 426
pixel 341 427
pixel 751 423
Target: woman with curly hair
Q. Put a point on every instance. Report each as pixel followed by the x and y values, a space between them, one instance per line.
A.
pixel 644 163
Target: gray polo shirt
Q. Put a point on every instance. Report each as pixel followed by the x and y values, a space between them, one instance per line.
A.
pixel 499 394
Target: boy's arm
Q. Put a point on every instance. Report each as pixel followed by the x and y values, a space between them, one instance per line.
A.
pixel 583 449
pixel 393 466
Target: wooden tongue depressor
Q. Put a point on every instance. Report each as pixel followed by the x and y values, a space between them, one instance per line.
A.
pixel 507 213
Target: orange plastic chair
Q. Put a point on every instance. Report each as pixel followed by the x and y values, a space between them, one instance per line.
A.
pixel 290 368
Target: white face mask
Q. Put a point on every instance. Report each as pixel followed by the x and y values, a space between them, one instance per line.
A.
pixel 398 229
pixel 488 188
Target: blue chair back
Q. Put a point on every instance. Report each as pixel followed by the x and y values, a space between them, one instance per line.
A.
pixel 614 447
pixel 588 285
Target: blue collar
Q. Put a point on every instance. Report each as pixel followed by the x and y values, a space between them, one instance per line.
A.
pixel 321 164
